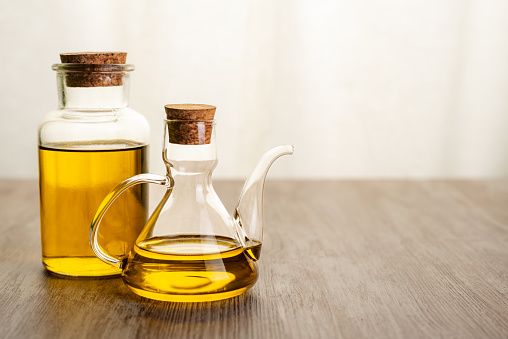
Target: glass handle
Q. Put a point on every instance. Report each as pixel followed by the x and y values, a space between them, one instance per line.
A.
pixel 109 199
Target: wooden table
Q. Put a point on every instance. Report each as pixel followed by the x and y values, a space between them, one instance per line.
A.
pixel 341 259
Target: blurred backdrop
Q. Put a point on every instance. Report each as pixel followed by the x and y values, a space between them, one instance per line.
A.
pixel 363 89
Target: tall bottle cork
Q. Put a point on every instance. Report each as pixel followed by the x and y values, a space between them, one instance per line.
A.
pixel 95 71
pixel 190 124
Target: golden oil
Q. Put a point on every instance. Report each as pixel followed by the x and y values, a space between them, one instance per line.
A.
pixel 73 183
pixel 189 268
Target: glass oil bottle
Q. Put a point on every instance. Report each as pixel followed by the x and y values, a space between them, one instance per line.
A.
pixel 92 141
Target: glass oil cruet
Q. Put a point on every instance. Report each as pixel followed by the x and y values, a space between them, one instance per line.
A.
pixel 86 146
pixel 191 249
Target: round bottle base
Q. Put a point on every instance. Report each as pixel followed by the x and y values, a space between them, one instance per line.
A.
pixel 78 267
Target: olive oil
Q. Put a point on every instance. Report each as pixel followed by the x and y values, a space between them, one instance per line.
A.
pixel 189 268
pixel 73 183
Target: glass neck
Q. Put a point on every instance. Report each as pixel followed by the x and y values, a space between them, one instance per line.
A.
pixel 191 168
pixel 190 160
pixel 192 176
pixel 92 98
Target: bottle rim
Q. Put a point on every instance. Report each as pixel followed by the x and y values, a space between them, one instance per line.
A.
pixel 93 68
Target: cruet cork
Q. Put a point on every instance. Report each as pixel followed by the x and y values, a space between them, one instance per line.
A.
pixel 196 123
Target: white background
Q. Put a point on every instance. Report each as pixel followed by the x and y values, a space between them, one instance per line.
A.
pixel 363 89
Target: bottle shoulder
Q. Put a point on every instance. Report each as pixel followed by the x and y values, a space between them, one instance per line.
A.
pixel 77 127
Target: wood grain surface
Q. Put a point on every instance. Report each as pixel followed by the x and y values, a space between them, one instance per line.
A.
pixel 340 259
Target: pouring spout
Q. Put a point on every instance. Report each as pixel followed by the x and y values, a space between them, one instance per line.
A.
pixel 249 211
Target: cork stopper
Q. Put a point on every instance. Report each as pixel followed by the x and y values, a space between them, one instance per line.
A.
pixel 190 124
pixel 94 75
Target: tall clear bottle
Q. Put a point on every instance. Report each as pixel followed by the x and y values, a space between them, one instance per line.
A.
pixel 89 144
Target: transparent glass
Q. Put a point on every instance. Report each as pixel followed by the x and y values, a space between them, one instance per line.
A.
pixel 90 143
pixel 191 249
